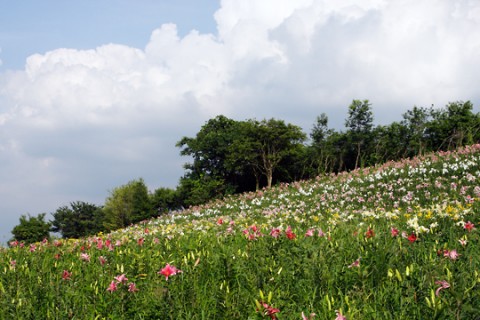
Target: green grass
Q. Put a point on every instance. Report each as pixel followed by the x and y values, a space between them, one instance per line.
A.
pixel 292 248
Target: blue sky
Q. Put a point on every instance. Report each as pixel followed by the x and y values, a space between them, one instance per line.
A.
pixel 28 27
pixel 94 94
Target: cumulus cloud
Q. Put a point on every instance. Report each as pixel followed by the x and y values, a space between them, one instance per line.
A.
pixel 75 123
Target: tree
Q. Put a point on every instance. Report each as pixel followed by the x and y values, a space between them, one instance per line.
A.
pixel 127 204
pixel 31 229
pixel 79 220
pixel 389 142
pixel 209 176
pixel 164 200
pixel 270 142
pixel 359 124
pixel 320 154
pixel 416 121
pixel 453 126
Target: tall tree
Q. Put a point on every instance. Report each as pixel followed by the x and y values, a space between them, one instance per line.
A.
pixel 453 126
pixel 209 175
pixel 321 154
pixel 389 143
pixel 416 121
pixel 31 229
pixel 359 126
pixel 127 204
pixel 272 141
pixel 79 220
pixel 164 200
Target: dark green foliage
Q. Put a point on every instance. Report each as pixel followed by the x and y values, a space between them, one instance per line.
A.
pixel 231 156
pixel 164 200
pixel 454 126
pixel 210 174
pixel 359 132
pixel 127 204
pixel 31 229
pixel 78 220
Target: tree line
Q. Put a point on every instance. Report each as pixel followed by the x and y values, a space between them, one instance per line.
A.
pixel 230 156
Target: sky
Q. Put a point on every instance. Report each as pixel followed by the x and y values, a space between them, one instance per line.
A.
pixel 96 93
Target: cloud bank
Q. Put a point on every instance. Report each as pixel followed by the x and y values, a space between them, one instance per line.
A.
pixel 76 123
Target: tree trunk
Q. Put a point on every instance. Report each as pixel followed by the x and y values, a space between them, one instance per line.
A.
pixel 358 155
pixel 269 178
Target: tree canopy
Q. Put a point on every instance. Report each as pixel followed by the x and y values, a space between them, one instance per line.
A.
pixel 127 204
pixel 31 229
pixel 78 220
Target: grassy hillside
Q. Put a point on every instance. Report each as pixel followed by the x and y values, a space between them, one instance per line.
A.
pixel 398 241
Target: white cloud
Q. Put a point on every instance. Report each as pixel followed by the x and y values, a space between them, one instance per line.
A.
pixel 75 123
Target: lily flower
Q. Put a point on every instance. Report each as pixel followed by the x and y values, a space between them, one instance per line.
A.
pixel 168 271
pixel 132 287
pixel 443 285
pixel 121 278
pixel 112 287
pixel 355 263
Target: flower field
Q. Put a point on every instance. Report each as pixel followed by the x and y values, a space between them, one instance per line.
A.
pixel 397 241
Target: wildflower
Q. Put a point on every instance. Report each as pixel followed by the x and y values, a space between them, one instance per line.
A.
pixel 112 287
pixel 168 271
pixel 13 263
pixel 270 311
pixel 13 243
pixel 57 256
pixel 443 285
pixel 121 278
pixel 290 235
pixel 370 233
pixel 132 287
pixel 463 242
pixel 412 237
pixel 309 233
pixel 220 221
pixel 394 232
pixel 33 247
pixel 140 241
pixel 355 263
pixel 312 315
pixel 102 260
pixel 340 316
pixel 451 254
pixel 275 232
pixel 66 275
pixel 469 226
pixel 85 257
pixel 321 233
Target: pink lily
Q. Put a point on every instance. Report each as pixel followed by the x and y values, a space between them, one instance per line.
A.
pixel 132 287
pixel 168 271
pixel 112 287
pixel 121 278
pixel 443 285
